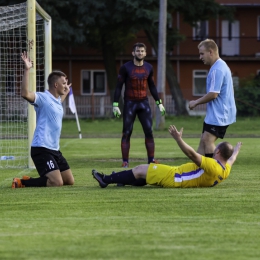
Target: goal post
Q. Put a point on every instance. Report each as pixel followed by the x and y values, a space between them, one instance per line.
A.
pixel 32 9
pixel 23 27
pixel 48 42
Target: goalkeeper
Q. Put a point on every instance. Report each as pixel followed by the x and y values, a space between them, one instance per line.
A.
pixel 49 161
pixel 137 76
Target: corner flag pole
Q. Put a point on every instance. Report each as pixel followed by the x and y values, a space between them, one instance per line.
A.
pixel 73 109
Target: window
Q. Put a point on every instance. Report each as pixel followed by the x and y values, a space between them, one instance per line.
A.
pixel 200 31
pixel 258 28
pixel 199 82
pixel 93 81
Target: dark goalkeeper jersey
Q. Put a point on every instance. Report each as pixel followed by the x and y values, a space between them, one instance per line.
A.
pixel 136 79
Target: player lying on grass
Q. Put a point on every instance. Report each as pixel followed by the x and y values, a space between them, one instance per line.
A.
pixel 202 172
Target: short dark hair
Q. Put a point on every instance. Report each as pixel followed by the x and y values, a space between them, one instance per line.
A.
pixel 139 44
pixel 52 78
pixel 226 150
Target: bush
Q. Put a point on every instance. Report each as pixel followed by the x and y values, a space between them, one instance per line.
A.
pixel 248 97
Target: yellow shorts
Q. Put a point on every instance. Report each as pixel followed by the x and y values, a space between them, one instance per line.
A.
pixel 161 175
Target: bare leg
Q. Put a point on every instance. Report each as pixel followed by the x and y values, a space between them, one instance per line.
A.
pixel 207 143
pixel 67 177
pixel 140 171
pixel 54 179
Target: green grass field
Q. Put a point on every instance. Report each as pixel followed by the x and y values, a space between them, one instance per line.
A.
pixel 87 222
pixel 246 127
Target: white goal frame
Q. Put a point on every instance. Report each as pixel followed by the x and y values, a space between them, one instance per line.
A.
pixel 32 8
pixel 23 27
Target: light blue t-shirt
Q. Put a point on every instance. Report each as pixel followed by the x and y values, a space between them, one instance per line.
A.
pixel 222 110
pixel 49 113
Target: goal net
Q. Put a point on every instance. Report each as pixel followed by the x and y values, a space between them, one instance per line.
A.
pixel 14 117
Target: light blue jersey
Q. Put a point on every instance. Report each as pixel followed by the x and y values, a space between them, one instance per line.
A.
pixel 49 113
pixel 222 110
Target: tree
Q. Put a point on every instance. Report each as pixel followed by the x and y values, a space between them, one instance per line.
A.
pixel 114 22
pixel 248 96
pixel 180 103
pixel 109 25
pixel 118 22
pixel 192 12
pixel 65 27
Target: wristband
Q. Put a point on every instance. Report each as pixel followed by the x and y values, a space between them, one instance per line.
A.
pixel 158 102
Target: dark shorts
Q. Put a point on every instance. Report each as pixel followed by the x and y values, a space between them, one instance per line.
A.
pixel 46 160
pixel 218 131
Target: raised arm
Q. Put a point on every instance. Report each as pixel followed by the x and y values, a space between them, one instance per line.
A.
pixel 233 157
pixel 25 93
pixel 187 150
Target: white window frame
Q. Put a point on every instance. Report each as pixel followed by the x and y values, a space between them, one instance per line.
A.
pixel 258 28
pixel 92 83
pixel 194 76
pixel 196 34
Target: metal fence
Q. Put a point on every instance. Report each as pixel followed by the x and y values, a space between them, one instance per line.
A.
pixel 101 107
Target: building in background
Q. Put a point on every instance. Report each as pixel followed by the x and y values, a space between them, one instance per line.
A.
pixel 239 46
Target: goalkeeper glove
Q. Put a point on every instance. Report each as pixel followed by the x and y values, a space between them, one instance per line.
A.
pixel 161 107
pixel 116 109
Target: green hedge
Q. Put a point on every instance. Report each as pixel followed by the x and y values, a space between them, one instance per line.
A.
pixel 248 97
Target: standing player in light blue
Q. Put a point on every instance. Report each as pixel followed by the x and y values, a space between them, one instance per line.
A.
pixel 49 161
pixel 221 106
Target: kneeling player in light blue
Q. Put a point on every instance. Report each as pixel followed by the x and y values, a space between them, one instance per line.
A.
pixel 202 172
pixel 49 161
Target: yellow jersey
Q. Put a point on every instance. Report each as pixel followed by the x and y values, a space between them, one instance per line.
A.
pixel 188 175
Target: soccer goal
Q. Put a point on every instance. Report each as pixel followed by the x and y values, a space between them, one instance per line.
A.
pixel 23 27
